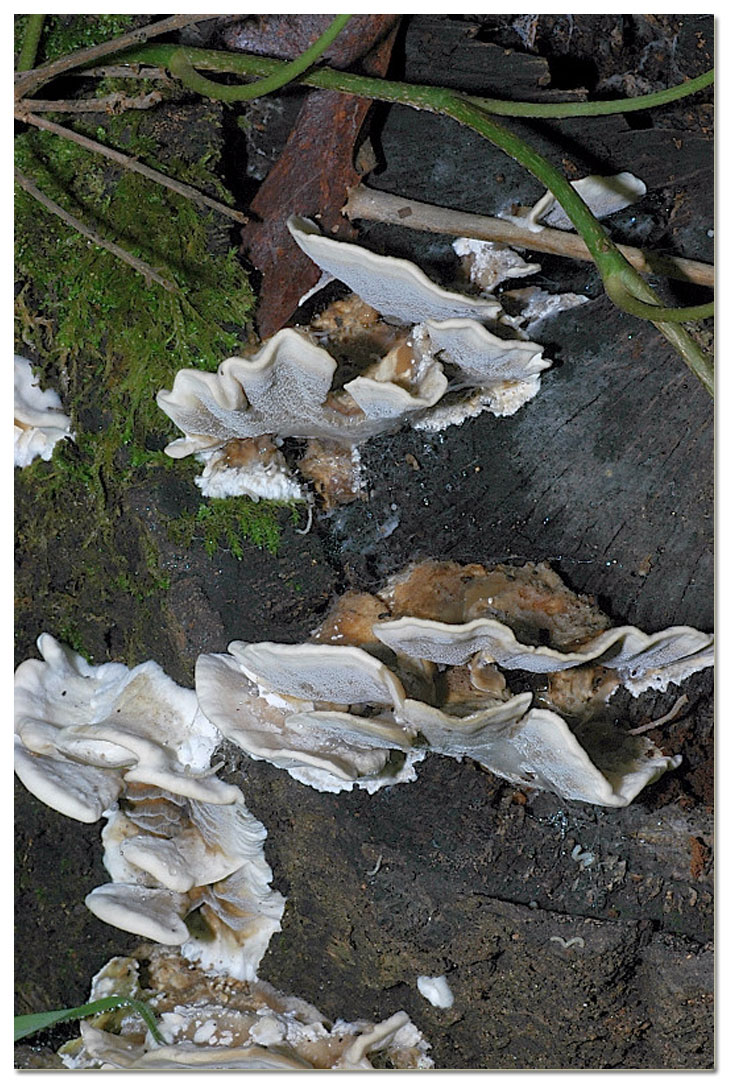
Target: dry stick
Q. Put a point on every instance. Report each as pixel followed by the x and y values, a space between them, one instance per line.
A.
pixel 70 220
pixel 670 715
pixel 29 81
pixel 367 203
pixel 132 164
pixel 112 103
pixel 123 71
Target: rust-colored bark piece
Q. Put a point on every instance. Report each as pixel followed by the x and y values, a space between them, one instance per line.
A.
pixel 317 166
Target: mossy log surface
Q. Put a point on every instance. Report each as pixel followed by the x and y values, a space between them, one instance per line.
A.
pixel 607 474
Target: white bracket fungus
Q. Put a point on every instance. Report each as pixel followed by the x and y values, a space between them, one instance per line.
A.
pixel 234 420
pixel 328 749
pixel 207 1024
pixel 39 419
pixel 333 713
pixel 185 842
pixel 604 196
pixel 642 661
pixel 126 725
pixel 394 287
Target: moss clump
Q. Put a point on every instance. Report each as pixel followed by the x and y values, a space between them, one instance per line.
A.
pixel 111 329
pixel 89 569
pixel 224 522
pixel 64 34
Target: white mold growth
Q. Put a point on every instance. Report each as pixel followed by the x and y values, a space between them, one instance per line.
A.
pixel 490 263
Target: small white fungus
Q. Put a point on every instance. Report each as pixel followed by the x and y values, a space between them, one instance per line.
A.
pixel 436 990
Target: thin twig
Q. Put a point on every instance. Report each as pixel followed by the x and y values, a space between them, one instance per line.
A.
pixel 133 164
pixel 29 81
pixel 123 71
pixel 112 103
pixel 144 269
pixel 666 718
pixel 367 203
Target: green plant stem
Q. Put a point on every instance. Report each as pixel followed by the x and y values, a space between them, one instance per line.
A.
pixel 621 280
pixel 182 68
pixel 622 297
pixel 469 111
pixel 28 82
pixel 596 108
pixel 418 95
pixel 31 41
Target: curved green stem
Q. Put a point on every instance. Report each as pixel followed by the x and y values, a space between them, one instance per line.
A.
pixel 470 111
pixel 613 266
pixel 31 41
pixel 618 293
pixel 419 95
pixel 182 68
pixel 597 108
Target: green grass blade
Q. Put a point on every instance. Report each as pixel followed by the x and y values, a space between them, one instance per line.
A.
pixel 28 1023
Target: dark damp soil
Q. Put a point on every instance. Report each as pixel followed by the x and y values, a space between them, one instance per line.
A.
pixel 607 474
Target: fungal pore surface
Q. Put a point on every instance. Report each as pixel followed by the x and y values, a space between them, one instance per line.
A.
pixel 399 349
pixel 423 666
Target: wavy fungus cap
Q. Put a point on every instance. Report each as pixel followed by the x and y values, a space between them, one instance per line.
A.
pixel 185 842
pixel 209 1025
pixel 367 698
pixel 39 419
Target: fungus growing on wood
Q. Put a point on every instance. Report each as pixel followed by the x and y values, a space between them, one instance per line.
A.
pixel 382 682
pixel 641 661
pixel 184 841
pixel 348 377
pixel 170 859
pixel 394 287
pixel 39 419
pixel 604 196
pixel 126 726
pixel 489 263
pixel 211 1023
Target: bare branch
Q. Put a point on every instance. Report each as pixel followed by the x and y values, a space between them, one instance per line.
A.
pixel 130 163
pixel 367 203
pixel 112 103
pixel 123 71
pixel 144 269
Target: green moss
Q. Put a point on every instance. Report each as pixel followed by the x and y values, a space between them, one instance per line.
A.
pixel 228 522
pixel 111 328
pixel 66 33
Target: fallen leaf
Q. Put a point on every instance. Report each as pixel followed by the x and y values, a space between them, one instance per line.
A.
pixel 317 165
